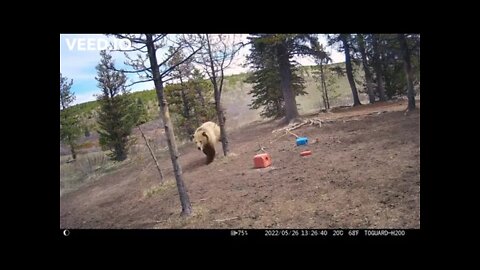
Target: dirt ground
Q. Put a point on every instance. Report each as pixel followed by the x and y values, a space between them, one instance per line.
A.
pixel 364 172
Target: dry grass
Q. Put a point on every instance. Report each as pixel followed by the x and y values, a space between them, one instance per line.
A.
pixel 92 165
pixel 88 167
pixel 158 189
pixel 86 145
pixel 226 159
pixel 199 214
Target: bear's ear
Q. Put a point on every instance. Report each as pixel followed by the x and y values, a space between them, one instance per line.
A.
pixel 205 134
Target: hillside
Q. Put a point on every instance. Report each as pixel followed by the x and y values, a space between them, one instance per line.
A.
pixel 364 172
pixel 235 99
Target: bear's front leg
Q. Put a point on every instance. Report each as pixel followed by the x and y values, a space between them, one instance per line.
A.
pixel 209 151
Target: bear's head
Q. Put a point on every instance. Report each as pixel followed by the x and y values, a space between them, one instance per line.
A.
pixel 201 139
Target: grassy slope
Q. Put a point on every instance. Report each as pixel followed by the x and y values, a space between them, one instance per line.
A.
pixel 235 99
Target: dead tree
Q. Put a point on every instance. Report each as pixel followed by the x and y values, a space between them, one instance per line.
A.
pixel 151 153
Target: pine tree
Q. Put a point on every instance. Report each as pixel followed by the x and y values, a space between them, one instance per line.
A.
pixel 181 72
pixel 377 66
pixel 283 47
pixel 266 92
pixel 345 39
pixel 69 124
pixel 139 113
pixel 115 119
pixel 187 98
pixel 188 106
pixel 407 63
pixel 203 99
pixel 362 47
pixel 391 62
pixel 322 58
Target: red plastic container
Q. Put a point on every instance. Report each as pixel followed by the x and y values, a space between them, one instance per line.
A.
pixel 306 153
pixel 262 160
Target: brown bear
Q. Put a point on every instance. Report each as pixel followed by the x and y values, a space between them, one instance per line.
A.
pixel 206 136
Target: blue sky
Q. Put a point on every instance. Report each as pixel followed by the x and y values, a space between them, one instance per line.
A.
pixel 77 62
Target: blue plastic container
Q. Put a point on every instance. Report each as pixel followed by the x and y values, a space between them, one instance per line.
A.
pixel 302 141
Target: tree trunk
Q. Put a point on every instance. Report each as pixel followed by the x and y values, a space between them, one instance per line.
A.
pixel 120 153
pixel 366 68
pixel 186 107
pixel 278 108
pixel 165 115
pixel 200 96
pixel 322 82
pixel 74 153
pixel 291 112
pixel 151 153
pixel 69 139
pixel 202 101
pixel 348 64
pixel 223 136
pixel 326 95
pixel 186 111
pixel 408 71
pixel 378 68
pixel 218 107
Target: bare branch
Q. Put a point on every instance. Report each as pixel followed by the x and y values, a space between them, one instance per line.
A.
pixel 178 43
pixel 137 64
pixel 168 79
pixel 181 62
pixel 234 52
pixel 227 55
pixel 224 53
pixel 135 49
pixel 170 57
pixel 146 75
pixel 137 82
pixel 132 38
pixel 221 82
pixel 132 71
pixel 161 36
